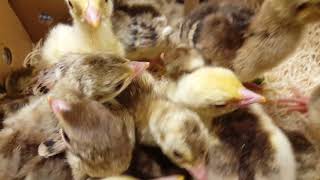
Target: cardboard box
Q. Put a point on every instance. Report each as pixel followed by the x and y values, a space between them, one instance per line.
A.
pixel 21 26
pixel 38 16
pixel 13 38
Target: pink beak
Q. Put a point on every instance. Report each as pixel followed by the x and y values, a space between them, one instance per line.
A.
pixel 138 67
pixel 170 178
pixel 58 106
pixel 199 172
pixel 93 16
pixel 250 97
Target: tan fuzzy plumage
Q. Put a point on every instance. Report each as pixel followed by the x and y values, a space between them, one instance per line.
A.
pixel 142 28
pixel 34 123
pixel 254 5
pixel 111 150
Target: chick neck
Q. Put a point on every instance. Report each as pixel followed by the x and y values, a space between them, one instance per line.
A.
pixel 100 39
pixel 67 89
pixel 139 98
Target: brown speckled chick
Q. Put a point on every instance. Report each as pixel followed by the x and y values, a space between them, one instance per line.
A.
pixel 49 77
pixel 141 28
pixel 233 36
pixel 250 146
pixel 99 143
pixel 100 77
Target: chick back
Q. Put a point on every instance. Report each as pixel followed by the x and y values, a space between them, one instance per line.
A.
pixel 217 30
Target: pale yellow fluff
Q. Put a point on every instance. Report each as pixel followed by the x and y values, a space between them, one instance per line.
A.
pixel 207 86
pixel 81 37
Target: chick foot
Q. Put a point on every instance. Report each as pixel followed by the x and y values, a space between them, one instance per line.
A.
pixel 297 103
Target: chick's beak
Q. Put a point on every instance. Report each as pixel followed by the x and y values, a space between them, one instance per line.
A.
pixel 199 172
pixel 170 178
pixel 138 67
pixel 92 15
pixel 58 106
pixel 250 97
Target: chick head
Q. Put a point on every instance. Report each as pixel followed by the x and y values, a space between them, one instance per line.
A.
pixel 102 76
pixel 301 11
pixel 184 139
pixel 308 11
pixel 214 87
pixel 92 12
pixel 94 135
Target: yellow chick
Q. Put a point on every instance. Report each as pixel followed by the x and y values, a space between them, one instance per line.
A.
pixel 150 162
pixel 211 91
pixel 91 32
pixel 177 130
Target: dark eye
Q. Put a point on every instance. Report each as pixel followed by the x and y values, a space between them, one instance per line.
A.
pixel 177 154
pixel 302 7
pixel 65 137
pixel 220 106
pixel 195 130
pixel 119 86
pixel 70 4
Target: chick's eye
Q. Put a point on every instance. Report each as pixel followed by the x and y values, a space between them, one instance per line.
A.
pixel 177 154
pixel 70 4
pixel 119 85
pixel 302 7
pixel 220 105
pixel 65 137
pixel 195 129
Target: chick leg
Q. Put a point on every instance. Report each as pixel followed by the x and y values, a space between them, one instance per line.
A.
pixel 297 103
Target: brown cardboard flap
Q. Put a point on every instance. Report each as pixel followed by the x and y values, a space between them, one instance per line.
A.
pixel 30 11
pixel 13 37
